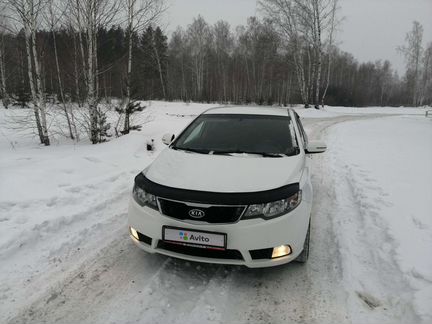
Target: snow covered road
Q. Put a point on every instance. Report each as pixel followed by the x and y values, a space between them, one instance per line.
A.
pixel 66 256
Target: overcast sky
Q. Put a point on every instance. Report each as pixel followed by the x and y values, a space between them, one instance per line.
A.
pixel 371 30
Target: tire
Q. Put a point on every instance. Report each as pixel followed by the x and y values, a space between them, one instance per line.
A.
pixel 302 258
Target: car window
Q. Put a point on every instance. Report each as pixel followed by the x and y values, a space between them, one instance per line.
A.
pixel 239 133
pixel 195 133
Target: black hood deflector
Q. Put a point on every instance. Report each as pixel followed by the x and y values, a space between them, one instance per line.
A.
pixel 216 198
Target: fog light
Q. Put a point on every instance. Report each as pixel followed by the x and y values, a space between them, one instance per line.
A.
pixel 135 233
pixel 281 251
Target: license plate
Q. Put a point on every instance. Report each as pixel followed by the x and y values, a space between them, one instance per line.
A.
pixel 202 239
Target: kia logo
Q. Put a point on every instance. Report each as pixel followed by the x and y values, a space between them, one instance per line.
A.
pixel 196 213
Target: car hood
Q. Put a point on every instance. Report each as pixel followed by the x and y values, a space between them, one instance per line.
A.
pixel 223 173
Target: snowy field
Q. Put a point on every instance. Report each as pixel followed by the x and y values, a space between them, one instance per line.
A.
pixel 65 254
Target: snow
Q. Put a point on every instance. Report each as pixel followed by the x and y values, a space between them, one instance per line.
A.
pixel 64 242
pixel 385 167
pixel 331 112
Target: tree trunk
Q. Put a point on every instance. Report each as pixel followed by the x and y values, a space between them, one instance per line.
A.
pixel 424 84
pixel 311 75
pixel 317 51
pixel 126 127
pixel 127 111
pixel 60 84
pixel 329 64
pixel 76 75
pixel 183 92
pixel 31 82
pixel 298 62
pixel 39 89
pixel 318 76
pixel 329 52
pixel 96 64
pixel 91 95
pixel 3 90
pixel 81 42
pixel 160 71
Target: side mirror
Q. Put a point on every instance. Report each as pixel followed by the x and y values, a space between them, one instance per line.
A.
pixel 168 138
pixel 316 147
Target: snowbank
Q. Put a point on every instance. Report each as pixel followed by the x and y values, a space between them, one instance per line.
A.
pixel 383 176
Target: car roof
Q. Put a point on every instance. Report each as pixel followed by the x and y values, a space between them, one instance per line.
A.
pixel 249 110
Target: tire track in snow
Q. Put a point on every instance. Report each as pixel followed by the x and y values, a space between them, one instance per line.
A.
pixel 64 244
pixel 371 274
pixel 65 210
pixel 87 290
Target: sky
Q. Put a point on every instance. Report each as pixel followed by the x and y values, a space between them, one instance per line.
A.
pixel 371 29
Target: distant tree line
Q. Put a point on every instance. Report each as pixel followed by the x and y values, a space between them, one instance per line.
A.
pixel 112 59
pixel 82 52
pixel 203 63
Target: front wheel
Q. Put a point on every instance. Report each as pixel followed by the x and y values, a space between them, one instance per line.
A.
pixel 302 258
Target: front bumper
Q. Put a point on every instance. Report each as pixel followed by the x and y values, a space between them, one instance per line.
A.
pixel 242 237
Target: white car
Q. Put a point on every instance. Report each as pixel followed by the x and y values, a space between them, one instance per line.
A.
pixel 233 188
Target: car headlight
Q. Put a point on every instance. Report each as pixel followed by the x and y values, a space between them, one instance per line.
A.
pixel 144 198
pixel 275 208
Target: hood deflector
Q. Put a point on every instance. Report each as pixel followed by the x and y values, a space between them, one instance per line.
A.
pixel 216 198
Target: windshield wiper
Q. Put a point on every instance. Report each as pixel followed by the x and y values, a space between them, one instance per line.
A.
pixel 264 154
pixel 228 152
pixel 186 149
pixel 272 155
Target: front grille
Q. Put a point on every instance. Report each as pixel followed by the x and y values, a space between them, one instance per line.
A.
pixel 213 214
pixel 200 252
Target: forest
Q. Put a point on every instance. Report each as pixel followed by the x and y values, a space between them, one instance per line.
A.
pixel 89 51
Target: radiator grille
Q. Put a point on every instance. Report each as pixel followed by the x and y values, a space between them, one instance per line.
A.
pixel 211 214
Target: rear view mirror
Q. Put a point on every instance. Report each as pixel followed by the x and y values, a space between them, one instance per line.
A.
pixel 168 138
pixel 316 147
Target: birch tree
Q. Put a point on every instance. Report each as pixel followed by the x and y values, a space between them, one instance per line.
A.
pixel 90 15
pixel 140 13
pixel 413 51
pixel 3 92
pixel 199 39
pixel 330 48
pixel 223 43
pixel 54 15
pixel 3 29
pixel 159 49
pixel 426 90
pixel 177 72
pixel 29 13
pixel 304 23
pixel 419 65
pixel 286 16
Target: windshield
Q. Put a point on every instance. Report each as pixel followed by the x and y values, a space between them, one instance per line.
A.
pixel 232 133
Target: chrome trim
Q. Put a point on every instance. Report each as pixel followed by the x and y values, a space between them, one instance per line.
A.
pixel 192 204
pixel 198 222
pixel 159 206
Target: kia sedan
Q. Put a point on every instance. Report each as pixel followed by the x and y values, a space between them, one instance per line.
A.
pixel 232 188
